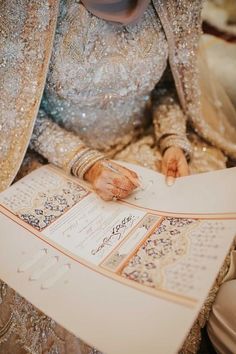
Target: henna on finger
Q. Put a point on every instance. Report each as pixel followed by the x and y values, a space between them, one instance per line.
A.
pixel 123 171
pixel 119 193
pixel 172 165
pixel 171 173
pixel 131 175
pixel 112 185
pixel 123 183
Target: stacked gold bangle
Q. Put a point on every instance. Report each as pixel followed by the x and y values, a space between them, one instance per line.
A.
pixel 178 141
pixel 75 156
pixel 85 158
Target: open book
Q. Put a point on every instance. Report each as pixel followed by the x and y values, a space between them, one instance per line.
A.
pixel 128 277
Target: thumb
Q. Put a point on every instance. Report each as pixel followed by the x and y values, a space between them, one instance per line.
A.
pixel 171 173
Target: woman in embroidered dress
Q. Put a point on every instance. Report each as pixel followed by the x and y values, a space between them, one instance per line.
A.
pixel 113 68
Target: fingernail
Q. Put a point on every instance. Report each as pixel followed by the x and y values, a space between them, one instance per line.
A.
pixel 170 181
pixel 135 181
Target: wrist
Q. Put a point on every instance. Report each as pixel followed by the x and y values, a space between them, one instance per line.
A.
pixel 84 163
pixel 173 148
pixel 91 174
pixel 177 142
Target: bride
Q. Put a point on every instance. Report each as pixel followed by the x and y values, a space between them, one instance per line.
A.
pixel 81 83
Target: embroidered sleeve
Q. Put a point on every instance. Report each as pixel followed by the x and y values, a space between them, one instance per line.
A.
pixel 61 147
pixel 168 117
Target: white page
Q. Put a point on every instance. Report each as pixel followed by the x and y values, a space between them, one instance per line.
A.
pixel 205 193
pixel 201 250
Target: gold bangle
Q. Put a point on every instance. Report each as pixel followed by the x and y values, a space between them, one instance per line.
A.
pixel 178 141
pixel 86 159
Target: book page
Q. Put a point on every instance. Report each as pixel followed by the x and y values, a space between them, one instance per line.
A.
pixel 153 251
pixel 204 194
pixel 123 276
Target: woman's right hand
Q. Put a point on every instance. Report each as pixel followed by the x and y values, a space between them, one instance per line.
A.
pixel 112 181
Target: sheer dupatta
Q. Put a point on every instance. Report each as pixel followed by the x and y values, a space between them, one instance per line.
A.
pixel 202 98
pixel 26 38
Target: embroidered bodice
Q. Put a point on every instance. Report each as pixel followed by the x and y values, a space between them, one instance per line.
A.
pixel 101 74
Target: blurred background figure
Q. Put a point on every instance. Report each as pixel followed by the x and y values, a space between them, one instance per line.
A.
pixel 220 40
pixel 220 43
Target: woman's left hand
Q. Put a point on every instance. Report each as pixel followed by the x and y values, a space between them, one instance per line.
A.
pixel 174 164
